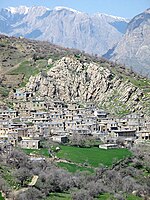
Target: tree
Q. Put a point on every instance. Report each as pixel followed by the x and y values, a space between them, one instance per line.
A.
pixel 18 159
pixel 30 194
pixel 82 195
pixel 22 174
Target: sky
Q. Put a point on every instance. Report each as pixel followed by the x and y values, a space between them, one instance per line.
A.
pixel 122 8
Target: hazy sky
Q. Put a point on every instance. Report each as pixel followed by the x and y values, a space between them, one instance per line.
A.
pixel 123 8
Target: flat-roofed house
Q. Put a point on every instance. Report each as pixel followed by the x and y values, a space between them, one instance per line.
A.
pixel 108 146
pixel 60 138
pixel 29 144
pixel 124 133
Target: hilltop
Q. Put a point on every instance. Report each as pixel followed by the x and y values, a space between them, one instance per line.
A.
pixel 54 72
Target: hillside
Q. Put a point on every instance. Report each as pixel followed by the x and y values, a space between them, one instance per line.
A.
pixel 64 26
pixel 53 72
pixel 134 48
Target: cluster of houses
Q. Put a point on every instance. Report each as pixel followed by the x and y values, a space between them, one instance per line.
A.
pixel 34 119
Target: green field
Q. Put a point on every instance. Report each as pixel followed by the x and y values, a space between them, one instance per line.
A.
pixel 39 152
pixel 106 196
pixel 1 198
pixel 59 196
pixel 74 168
pixel 92 156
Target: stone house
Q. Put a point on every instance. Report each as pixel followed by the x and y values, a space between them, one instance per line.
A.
pixel 29 144
pixel 124 133
pixel 144 135
pixel 60 139
pixel 108 146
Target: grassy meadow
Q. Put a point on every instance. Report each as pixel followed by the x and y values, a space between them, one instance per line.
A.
pixel 92 156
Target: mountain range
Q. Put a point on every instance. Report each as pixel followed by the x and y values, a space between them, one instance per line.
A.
pixel 94 34
pixel 118 39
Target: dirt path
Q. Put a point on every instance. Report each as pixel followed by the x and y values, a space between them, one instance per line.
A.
pixel 70 162
pixel 33 181
pixel 16 192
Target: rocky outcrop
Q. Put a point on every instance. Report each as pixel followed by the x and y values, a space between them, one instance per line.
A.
pixel 134 48
pixel 71 79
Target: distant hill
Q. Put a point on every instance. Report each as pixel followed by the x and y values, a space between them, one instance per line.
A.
pixel 53 72
pixel 134 48
pixel 94 34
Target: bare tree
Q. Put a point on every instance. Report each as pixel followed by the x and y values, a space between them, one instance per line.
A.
pixel 22 174
pixel 30 194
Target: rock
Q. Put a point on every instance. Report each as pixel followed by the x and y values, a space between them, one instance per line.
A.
pixel 50 61
pixel 67 81
pixel 134 48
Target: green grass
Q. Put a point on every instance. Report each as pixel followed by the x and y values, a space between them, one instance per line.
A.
pixel 139 82
pixel 132 197
pixel 92 156
pixel 24 68
pixel 8 177
pixel 108 196
pixel 59 196
pixel 4 91
pixel 1 198
pixel 41 152
pixel 27 69
pixel 74 168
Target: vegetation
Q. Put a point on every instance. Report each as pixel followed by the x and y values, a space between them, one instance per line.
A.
pixel 27 70
pixel 1 198
pixel 74 168
pixel 108 196
pixel 4 92
pixel 8 176
pixel 41 152
pixel 59 196
pixel 92 156
pixel 115 182
pixel 33 57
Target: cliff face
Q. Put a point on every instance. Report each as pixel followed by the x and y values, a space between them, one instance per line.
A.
pixel 71 79
pixel 64 26
pixel 134 48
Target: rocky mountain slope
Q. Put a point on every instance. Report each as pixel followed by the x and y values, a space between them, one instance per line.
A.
pixel 71 79
pixel 94 34
pixel 52 72
pixel 134 48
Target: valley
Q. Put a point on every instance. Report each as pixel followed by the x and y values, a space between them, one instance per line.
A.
pixel 74 125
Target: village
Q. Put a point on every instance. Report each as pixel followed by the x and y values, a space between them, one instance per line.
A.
pixel 34 119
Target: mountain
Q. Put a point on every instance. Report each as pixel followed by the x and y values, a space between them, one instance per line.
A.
pixel 63 26
pixel 53 72
pixel 134 48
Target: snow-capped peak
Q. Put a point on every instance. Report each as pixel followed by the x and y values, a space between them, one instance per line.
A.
pixel 116 18
pixel 57 8
pixel 20 10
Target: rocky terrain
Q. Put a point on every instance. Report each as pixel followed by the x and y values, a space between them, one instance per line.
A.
pixel 64 26
pixel 53 72
pixel 71 79
pixel 134 48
